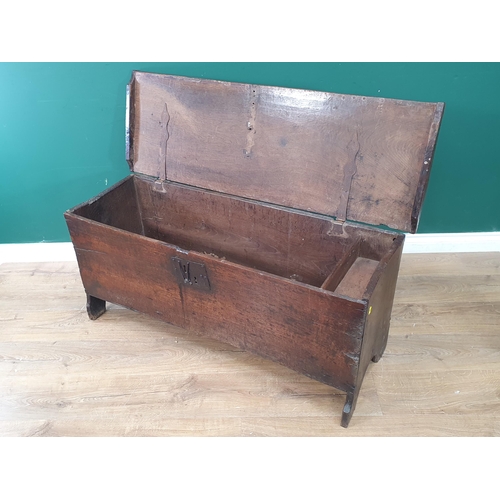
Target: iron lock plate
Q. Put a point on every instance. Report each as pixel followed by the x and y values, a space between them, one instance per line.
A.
pixel 191 273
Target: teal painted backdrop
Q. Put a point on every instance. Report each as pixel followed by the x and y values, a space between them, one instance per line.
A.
pixel 62 133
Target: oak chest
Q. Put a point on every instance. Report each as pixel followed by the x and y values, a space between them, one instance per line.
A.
pixel 251 217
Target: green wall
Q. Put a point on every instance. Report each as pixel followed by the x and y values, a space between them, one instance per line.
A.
pixel 62 133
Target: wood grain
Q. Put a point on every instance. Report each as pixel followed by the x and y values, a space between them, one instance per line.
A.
pixel 243 249
pixel 283 242
pixel 357 278
pixel 359 158
pixel 305 328
pixel 301 246
pixel 130 375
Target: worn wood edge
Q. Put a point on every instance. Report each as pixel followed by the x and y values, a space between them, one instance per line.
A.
pixel 130 122
pixel 426 167
pixel 401 102
pixel 414 244
pixel 398 242
pixel 99 196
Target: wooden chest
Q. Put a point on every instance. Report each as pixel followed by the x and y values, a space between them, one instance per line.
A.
pixel 250 217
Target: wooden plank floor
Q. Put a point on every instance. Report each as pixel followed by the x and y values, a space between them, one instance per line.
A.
pixel 128 375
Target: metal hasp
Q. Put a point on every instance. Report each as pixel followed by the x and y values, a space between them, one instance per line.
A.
pixel 191 273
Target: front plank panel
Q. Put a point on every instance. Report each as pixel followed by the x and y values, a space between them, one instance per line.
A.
pixel 307 330
pixel 125 268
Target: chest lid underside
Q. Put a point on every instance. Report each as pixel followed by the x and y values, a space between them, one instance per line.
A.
pixel 363 159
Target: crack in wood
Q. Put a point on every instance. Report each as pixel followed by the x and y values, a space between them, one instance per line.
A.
pixel 350 170
pixel 162 158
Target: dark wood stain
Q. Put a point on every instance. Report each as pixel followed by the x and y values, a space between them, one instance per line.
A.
pixel 243 184
pixel 317 151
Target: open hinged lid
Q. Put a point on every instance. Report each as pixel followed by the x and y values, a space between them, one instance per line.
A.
pixel 362 159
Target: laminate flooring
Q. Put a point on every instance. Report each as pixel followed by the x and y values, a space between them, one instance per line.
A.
pixel 130 375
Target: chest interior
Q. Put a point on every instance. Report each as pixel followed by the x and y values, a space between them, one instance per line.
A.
pixel 307 248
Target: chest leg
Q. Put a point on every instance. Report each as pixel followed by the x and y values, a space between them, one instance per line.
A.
pixel 350 405
pixel 95 307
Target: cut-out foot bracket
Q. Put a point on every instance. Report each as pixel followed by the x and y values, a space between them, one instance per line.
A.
pixel 95 307
pixel 350 405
